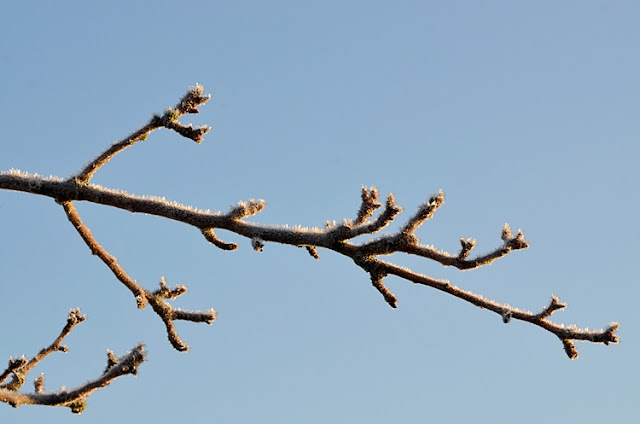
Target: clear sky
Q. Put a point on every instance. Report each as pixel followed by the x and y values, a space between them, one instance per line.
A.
pixel 522 112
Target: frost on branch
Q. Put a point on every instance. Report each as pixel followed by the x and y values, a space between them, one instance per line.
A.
pixel 337 236
pixel 75 399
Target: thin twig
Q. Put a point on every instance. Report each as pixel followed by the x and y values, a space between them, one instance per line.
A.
pixel 188 104
pixel 19 368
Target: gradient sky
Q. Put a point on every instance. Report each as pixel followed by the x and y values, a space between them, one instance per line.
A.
pixel 522 112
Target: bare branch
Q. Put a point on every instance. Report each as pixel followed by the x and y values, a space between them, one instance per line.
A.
pixel 166 292
pixel 195 134
pixel 211 237
pixel 74 399
pixel 570 348
pixel 424 213
pixel 313 252
pixel 245 209
pixel 21 367
pixel 390 298
pixel 391 210
pixel 554 305
pixel 336 236
pixel 507 312
pixel 99 251
pixel 407 244
pixel 142 296
pixel 368 206
pixel 467 245
pixel 257 243
pixel 188 104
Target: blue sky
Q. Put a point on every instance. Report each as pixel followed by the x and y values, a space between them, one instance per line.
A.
pixel 524 113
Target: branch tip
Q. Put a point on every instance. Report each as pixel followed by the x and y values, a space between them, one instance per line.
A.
pixel 111 360
pixel 506 233
pixel 610 335
pixel 554 305
pixel 390 298
pixel 513 243
pixel 167 292
pixel 194 98
pixel 313 252
pixel 424 213
pixel 368 206
pixel 75 317
pixel 467 245
pixel 570 349
pixel 77 188
pixel 196 134
pixel 245 209
pixel 38 384
pixel 211 237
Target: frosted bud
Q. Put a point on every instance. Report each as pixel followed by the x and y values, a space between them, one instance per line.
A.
pixel 257 244
pixel 35 184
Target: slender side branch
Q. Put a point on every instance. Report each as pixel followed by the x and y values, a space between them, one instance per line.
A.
pixel 313 252
pixel 425 212
pixel 362 226
pixel 19 368
pixel 554 305
pixel 467 245
pixel 211 237
pixel 369 205
pixel 99 251
pixel 76 398
pixel 188 104
pixel 566 334
pixel 143 297
pixel 245 209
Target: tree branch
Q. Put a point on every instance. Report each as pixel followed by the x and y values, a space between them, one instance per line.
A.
pixel 188 104
pixel 335 236
pixel 143 297
pixel 76 398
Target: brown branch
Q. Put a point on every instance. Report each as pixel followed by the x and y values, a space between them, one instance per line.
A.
pixel 407 243
pixel 313 252
pixel 211 237
pixel 368 206
pixel 74 399
pixel 334 237
pixel 19 368
pixel 467 245
pixel 99 251
pixel 143 297
pixel 424 213
pixel 245 209
pixel 605 336
pixel 188 104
